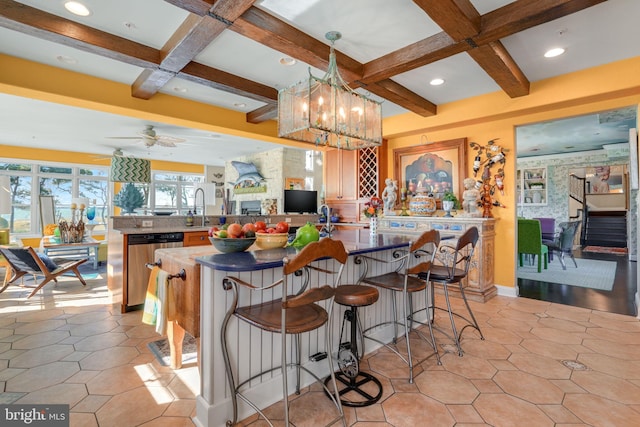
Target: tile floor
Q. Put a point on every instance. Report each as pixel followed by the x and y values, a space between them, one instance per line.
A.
pixel 542 364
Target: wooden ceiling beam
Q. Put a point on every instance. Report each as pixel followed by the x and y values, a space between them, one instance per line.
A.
pixel 423 52
pixel 458 18
pixel 461 21
pixel 191 38
pixel 262 114
pixel 34 22
pixel 221 80
pixel 524 14
pixel 500 66
pixel 278 35
pixel 398 94
pixel 502 22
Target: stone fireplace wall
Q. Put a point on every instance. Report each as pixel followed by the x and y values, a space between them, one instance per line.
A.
pixel 276 166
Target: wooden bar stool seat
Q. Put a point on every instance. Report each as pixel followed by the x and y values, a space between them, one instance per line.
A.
pixel 351 381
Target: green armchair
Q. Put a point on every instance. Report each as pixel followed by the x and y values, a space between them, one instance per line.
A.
pixel 530 242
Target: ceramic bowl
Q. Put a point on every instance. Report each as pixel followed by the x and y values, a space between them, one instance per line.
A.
pixel 229 245
pixel 271 240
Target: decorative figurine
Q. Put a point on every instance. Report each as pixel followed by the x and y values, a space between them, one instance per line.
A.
pixel 389 196
pixel 470 198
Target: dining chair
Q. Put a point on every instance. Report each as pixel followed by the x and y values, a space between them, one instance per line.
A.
pixel 25 260
pixel 454 269
pixel 548 229
pixel 564 240
pixel 530 242
pixel 297 311
pixel 408 265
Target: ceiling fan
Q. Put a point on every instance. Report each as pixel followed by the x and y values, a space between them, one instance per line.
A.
pixel 150 138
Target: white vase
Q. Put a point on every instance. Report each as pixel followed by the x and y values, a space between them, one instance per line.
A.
pixel 373 225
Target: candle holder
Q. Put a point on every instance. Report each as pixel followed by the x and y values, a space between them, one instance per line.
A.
pixel 403 200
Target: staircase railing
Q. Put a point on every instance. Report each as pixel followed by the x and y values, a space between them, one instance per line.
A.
pixel 578 191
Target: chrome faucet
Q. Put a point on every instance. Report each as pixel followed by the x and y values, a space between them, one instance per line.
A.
pixel 327 226
pixel 204 205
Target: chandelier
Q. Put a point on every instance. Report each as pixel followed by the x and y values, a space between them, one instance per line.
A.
pixel 327 112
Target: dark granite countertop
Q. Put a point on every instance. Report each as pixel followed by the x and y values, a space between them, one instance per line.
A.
pixel 356 241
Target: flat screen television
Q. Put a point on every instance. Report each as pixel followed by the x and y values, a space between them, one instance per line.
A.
pixel 300 201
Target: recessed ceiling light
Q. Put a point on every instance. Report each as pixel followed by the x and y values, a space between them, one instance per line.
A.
pixel 436 82
pixel 77 8
pixel 66 59
pixel 556 51
pixel 240 105
pixel 287 61
pixel 180 89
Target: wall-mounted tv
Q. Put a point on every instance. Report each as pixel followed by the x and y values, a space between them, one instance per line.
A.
pixel 300 201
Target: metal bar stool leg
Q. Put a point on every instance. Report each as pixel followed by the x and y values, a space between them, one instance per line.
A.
pixel 350 380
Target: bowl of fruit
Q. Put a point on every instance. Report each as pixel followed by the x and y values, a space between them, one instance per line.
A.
pixel 232 238
pixel 273 237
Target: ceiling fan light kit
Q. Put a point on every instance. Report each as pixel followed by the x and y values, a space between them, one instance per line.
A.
pixel 130 169
pixel 150 138
pixel 326 112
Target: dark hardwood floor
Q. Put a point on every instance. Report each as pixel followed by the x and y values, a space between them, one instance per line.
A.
pixel 621 299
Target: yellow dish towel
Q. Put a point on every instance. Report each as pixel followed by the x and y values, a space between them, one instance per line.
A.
pixel 158 305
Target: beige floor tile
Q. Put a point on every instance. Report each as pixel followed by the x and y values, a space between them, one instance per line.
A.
pixel 608 386
pixel 110 377
pixel 505 410
pixel 542 366
pixel 464 414
pixel 448 388
pixel 42 376
pixel 413 409
pixel 598 411
pixel 68 394
pixel 529 387
pixel 134 407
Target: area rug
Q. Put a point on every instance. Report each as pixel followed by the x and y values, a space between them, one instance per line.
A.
pixel 605 250
pixel 160 350
pixel 590 273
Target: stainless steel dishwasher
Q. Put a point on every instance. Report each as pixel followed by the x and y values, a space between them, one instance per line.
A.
pixel 141 248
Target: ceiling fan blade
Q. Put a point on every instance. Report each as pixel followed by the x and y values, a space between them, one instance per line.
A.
pixel 123 137
pixel 169 139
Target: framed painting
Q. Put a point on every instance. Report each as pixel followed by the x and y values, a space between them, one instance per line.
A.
pixel 605 179
pixel 439 167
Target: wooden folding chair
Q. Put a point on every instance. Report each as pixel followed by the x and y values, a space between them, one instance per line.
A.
pixel 26 261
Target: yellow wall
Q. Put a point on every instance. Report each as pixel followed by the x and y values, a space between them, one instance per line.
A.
pixel 478 119
pixel 491 116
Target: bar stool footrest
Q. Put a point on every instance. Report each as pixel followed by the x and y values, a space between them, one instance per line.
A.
pixel 356 385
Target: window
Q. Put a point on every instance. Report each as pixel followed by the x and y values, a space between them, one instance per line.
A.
pixel 171 191
pixel 63 182
pixel 67 183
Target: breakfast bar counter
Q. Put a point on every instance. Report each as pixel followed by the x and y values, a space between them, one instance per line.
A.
pixel 262 267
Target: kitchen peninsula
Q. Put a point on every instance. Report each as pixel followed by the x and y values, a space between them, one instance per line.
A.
pixel 133 240
pixel 260 348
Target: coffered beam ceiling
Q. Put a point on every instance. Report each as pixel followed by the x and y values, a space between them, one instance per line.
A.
pixel 463 30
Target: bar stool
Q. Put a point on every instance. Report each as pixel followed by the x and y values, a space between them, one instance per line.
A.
pixel 455 270
pixel 409 278
pixel 350 376
pixel 297 311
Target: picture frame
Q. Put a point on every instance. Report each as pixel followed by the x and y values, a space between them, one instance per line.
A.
pixel 441 166
pixel 294 184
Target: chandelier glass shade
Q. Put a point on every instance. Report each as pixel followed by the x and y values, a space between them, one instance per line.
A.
pixel 327 112
pixel 129 169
